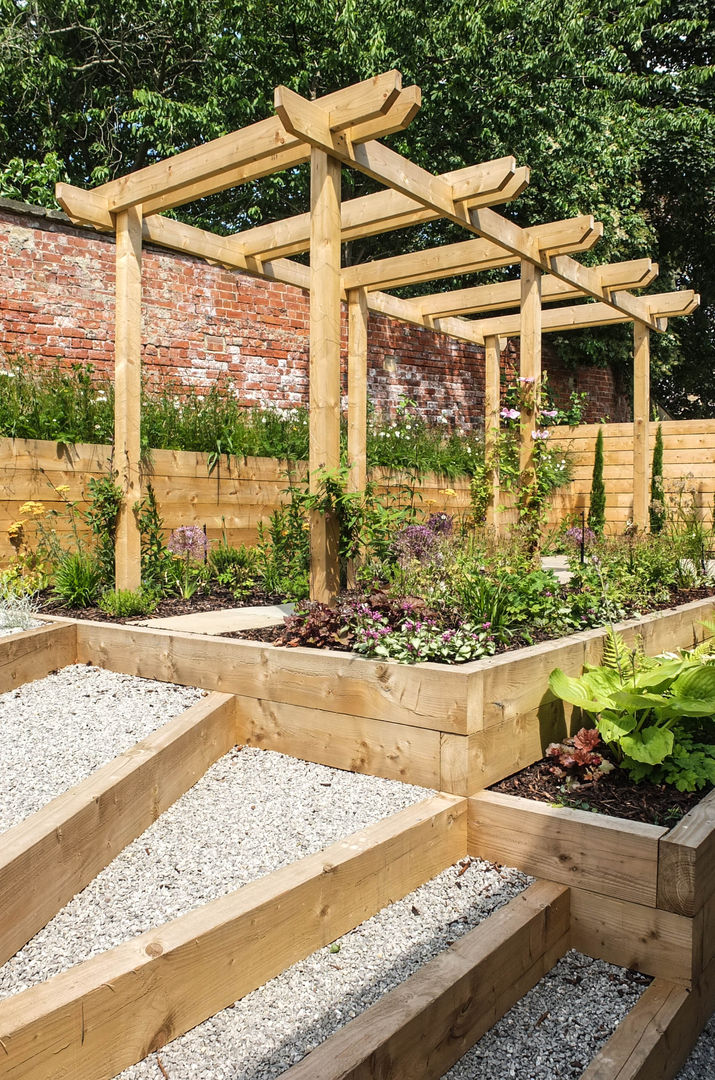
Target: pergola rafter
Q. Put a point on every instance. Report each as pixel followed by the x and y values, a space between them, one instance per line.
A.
pixel 635 274
pixel 342 129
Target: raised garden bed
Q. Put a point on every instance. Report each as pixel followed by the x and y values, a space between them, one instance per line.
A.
pixel 638 896
pixel 454 728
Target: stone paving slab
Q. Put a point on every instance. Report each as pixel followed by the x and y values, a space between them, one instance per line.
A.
pixel 224 621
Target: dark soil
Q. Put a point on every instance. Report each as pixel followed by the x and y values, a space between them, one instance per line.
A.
pixel 222 598
pixel 613 794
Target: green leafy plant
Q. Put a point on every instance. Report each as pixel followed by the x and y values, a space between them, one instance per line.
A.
pixel 597 506
pixel 77 579
pixel 125 603
pixel 656 509
pixel 235 568
pixel 104 503
pixel 156 560
pixel 649 709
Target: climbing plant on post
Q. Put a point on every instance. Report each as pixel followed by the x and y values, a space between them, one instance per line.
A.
pixel 656 509
pixel 597 509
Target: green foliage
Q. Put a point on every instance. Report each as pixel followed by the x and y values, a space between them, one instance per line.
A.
pixel 610 106
pixel 157 562
pixel 235 568
pixel 104 502
pixel 124 603
pixel 65 404
pixel 597 506
pixel 284 549
pixel 656 714
pixel 76 405
pixel 656 510
pixel 77 579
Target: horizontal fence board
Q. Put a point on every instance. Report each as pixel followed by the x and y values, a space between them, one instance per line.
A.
pixel 239 492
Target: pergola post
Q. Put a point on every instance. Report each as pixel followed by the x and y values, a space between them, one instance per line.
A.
pixel 529 364
pixel 325 287
pixel 492 401
pixel 127 393
pixel 357 389
pixel 641 418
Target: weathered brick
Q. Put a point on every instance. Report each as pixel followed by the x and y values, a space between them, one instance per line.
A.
pixel 201 323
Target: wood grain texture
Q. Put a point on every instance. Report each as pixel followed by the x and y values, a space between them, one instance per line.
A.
pixel 49 857
pixel 33 654
pixel 686 865
pixel 601 854
pixel 96 1019
pixel 420 1029
pixel 355 743
pixel 427 695
pixel 658 943
pixel 654 1040
pixel 127 393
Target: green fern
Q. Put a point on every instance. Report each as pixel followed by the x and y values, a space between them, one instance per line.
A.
pixel 616 654
pixel 706 648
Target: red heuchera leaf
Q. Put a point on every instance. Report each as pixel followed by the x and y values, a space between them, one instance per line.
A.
pixel 586 739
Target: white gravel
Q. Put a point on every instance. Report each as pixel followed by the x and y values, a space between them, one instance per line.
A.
pixel 252 812
pixel 269 1030
pixel 55 731
pixel 556 1029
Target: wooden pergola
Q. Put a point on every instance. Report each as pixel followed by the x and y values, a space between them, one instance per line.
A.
pixel 343 129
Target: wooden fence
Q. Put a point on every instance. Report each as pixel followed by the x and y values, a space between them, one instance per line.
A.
pixel 688 467
pixel 240 493
pixel 235 496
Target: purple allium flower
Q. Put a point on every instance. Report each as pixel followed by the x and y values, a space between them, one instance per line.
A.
pixel 415 542
pixel 573 535
pixel 188 541
pixel 442 524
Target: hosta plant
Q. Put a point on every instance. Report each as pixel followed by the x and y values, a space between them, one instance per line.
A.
pixel 655 714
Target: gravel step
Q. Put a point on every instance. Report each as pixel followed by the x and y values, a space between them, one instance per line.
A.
pixel 55 731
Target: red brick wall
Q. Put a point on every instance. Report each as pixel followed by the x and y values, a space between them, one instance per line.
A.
pixel 201 322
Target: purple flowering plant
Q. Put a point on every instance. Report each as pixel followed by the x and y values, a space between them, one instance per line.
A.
pixel 416 543
pixel 190 545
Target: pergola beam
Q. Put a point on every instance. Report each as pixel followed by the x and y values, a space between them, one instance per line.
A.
pixel 661 306
pixel 467 257
pixel 635 274
pixel 363 108
pixel 305 121
pixel 489 183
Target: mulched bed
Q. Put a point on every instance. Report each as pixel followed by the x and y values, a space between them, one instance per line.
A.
pixel 614 795
pixel 270 634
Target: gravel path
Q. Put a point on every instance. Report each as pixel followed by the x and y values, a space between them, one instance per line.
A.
pixel 252 812
pixel 55 731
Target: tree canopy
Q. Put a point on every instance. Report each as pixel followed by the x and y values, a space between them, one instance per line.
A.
pixel 610 105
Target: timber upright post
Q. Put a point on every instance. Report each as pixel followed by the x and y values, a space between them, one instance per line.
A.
pixel 529 368
pixel 357 400
pixel 357 389
pixel 325 287
pixel 127 391
pixel 492 400
pixel 641 425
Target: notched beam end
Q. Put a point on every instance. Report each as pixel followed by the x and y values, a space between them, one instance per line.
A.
pixel 84 207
